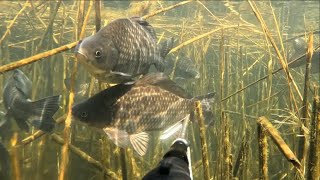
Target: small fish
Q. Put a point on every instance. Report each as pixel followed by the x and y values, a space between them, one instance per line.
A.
pixel 122 50
pixel 5 164
pixel 300 48
pixel 16 98
pixel 128 111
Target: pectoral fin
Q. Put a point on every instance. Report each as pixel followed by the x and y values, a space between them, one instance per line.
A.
pixel 119 137
pixel 180 126
pixel 118 77
pixel 139 142
pixel 122 139
pixel 3 118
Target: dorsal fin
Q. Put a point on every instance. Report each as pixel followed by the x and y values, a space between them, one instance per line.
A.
pixel 166 46
pixel 161 80
pixel 112 94
pixel 145 25
pixel 22 83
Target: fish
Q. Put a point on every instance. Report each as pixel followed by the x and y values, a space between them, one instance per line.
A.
pixel 5 164
pixel 122 50
pixel 127 112
pixel 185 69
pixel 16 99
pixel 300 48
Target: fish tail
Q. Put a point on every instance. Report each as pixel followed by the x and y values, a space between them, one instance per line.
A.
pixel 166 46
pixel 4 163
pixel 44 109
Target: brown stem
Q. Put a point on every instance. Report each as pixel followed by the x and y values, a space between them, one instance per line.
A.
pixel 263 153
pixel 56 138
pixel 277 139
pixel 313 164
pixel 32 59
pixel 302 148
pixel 204 147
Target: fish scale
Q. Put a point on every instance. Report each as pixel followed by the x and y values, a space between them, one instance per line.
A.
pixel 165 107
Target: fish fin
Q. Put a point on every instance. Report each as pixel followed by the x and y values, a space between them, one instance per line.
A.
pixel 159 64
pixel 22 83
pixel 161 80
pixel 140 142
pixel 146 26
pixel 119 137
pixel 3 118
pixel 175 129
pixel 113 93
pixel 166 46
pixel 118 77
pixel 22 124
pixel 45 125
pixel 44 109
pixel 5 163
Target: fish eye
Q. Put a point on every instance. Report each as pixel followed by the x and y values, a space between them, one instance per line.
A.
pixel 84 114
pixel 98 54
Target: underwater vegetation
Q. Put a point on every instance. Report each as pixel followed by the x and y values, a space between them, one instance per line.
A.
pixel 91 88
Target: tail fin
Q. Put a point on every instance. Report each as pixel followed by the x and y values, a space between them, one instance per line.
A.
pixel 166 46
pixel 44 109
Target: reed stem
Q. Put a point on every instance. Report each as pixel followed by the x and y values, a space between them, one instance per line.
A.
pixel 314 155
pixel 204 146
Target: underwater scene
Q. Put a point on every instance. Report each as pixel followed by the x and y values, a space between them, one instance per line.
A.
pixel 203 90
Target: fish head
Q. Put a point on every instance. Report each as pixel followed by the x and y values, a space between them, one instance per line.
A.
pixel 92 113
pixel 97 54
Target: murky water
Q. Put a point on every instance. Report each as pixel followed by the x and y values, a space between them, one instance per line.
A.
pixel 222 44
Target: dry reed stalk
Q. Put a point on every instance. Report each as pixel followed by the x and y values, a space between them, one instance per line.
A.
pixel 67 129
pixel 123 163
pixel 199 37
pixel 50 25
pixel 56 138
pixel 97 8
pixel 242 155
pixel 313 164
pixel 263 153
pixel 80 18
pixel 204 146
pixel 277 139
pixel 264 77
pixel 302 148
pixel 36 57
pixel 221 85
pixel 15 157
pixel 226 148
pixel 165 9
pixel 7 32
pixel 281 59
